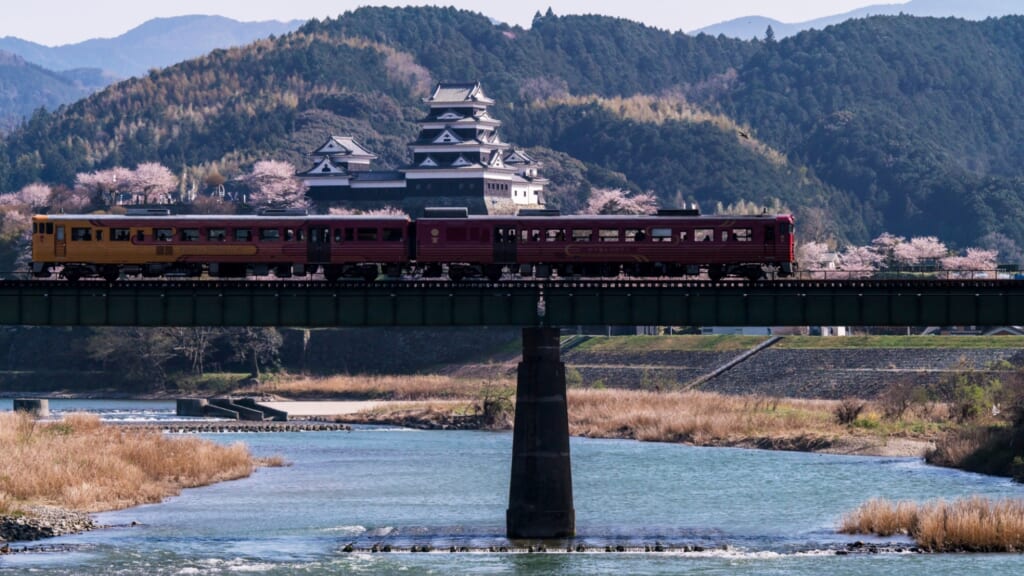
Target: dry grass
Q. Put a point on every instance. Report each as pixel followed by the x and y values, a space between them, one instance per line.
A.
pixel 974 524
pixel 431 387
pixel 697 417
pixel 81 464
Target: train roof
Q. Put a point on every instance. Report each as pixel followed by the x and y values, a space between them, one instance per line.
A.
pixel 220 217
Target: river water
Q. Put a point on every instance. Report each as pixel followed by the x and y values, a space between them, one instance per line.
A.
pixel 754 512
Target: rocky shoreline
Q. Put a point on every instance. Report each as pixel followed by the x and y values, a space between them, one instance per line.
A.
pixel 38 522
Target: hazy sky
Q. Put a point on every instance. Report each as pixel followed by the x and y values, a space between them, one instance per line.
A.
pixel 54 22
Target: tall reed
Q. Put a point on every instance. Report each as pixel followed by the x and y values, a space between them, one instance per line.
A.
pixel 81 464
pixel 974 524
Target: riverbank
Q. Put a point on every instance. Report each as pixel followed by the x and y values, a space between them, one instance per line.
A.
pixel 54 473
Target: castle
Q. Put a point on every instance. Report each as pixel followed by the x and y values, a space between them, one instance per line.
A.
pixel 458 159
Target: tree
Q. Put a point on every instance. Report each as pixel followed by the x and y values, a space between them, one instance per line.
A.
pixel 814 257
pixel 153 183
pixel 194 344
pixel 617 201
pixel 256 346
pixel 34 195
pixel 769 34
pixel 272 184
pixel 104 186
pixel 975 259
pixel 918 250
pixel 136 355
pixel 859 261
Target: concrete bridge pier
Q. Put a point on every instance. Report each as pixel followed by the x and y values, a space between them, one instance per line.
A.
pixel 540 494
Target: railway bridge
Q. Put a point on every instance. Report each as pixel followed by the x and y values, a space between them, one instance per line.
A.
pixel 540 493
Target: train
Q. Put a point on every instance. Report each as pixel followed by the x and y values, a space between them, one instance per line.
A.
pixel 444 242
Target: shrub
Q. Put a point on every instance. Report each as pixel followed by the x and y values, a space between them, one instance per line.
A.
pixel 848 410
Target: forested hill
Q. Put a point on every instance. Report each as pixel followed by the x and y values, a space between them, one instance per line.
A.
pixel 893 123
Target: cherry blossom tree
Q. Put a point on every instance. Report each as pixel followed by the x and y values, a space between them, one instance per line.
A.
pixel 153 183
pixel 975 259
pixel 919 249
pixel 859 261
pixel 34 195
pixel 273 184
pixel 104 186
pixel 617 201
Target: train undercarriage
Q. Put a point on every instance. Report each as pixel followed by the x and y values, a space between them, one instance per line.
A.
pixel 369 272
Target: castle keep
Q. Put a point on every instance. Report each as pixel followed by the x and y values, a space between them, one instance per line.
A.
pixel 458 159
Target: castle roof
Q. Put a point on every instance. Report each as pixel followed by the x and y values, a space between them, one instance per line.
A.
pixel 343 146
pixel 458 93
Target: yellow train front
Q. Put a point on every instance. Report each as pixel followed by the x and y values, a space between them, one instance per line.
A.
pixel 156 244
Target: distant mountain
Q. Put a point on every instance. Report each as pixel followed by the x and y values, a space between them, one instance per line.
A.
pixel 24 87
pixel 750 27
pixel 155 44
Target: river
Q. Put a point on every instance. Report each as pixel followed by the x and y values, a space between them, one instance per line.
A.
pixel 754 512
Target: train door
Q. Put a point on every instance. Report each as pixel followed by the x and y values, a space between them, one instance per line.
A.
pixel 769 241
pixel 60 244
pixel 319 245
pixel 505 242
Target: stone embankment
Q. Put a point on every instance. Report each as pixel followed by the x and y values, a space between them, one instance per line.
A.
pixel 836 373
pixel 784 372
pixel 39 522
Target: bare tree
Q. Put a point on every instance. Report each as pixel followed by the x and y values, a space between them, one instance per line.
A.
pixel 257 346
pixel 617 201
pixel 273 184
pixel 194 343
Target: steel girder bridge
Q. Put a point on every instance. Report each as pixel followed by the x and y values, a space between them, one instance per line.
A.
pixel 540 491
pixel 551 304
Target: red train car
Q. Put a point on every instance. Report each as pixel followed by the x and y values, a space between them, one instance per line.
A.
pixel 671 244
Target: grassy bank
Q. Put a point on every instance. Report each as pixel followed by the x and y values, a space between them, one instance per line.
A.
pixel 427 387
pixel 970 525
pixel 81 464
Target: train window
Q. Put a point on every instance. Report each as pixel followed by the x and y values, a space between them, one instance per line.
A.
pixel 289 234
pixel 190 234
pixel 455 234
pixel 269 234
pixel 742 234
pixel 608 235
pixel 633 235
pixel 769 235
pixel 350 234
pixel 300 235
pixel 661 234
pixel 60 233
pixel 164 234
pixel 49 227
pixel 216 234
pixel 366 234
pixel 99 235
pixel 535 235
pixel 392 234
pixel 684 235
pixel 140 236
pixel 337 234
pixel 120 234
pixel 784 229
pixel 703 235
pixel 78 234
pixel 243 234
pixel 555 235
pixel 582 234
